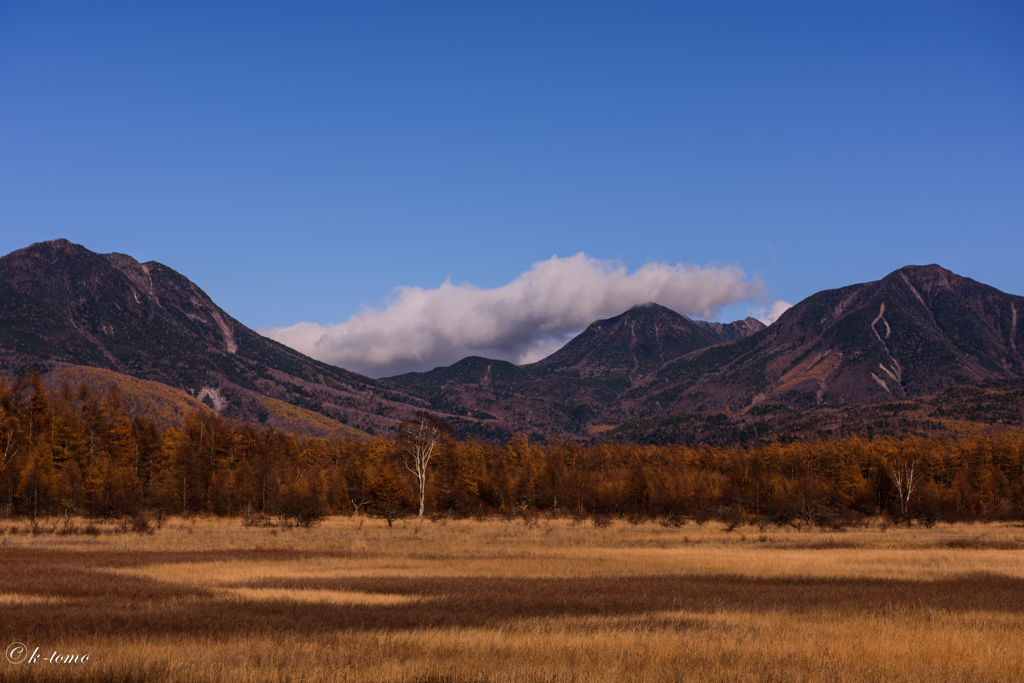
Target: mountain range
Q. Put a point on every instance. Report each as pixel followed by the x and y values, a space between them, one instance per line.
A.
pixel 909 337
pixel 62 305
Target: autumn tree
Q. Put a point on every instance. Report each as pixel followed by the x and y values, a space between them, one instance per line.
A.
pixel 421 439
pixel 38 481
pixel 388 497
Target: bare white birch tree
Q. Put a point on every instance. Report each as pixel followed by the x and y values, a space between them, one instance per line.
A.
pixel 904 477
pixel 8 450
pixel 421 440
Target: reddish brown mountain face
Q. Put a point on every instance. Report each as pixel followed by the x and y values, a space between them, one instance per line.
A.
pixel 583 383
pixel 916 332
pixel 61 304
pixel 727 332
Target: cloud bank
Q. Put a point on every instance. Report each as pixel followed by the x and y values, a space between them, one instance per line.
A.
pixel 523 321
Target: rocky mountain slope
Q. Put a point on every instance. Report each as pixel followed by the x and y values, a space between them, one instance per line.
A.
pixel 582 384
pixel 917 332
pixel 727 332
pixel 62 305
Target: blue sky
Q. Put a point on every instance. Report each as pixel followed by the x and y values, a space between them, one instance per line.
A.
pixel 300 161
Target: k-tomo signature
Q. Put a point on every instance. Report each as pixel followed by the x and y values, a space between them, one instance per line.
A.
pixel 17 653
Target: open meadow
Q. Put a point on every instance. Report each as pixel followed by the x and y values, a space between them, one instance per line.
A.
pixel 208 598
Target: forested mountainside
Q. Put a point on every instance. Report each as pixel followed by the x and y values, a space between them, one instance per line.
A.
pixel 908 337
pixel 648 374
pixel 63 305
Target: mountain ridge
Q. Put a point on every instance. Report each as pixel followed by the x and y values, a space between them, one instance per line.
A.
pixel 864 343
pixel 918 331
pixel 61 303
pixel 727 332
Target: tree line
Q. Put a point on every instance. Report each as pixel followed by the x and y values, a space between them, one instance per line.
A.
pixel 74 451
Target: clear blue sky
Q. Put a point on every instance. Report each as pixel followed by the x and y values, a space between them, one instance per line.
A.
pixel 299 160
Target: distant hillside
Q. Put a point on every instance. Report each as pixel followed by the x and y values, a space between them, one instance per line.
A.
pixel 990 407
pixel 629 345
pixel 917 331
pixel 63 304
pixel 290 419
pixel 581 384
pixel 727 332
pixel 914 334
pixel 163 405
pixel 167 407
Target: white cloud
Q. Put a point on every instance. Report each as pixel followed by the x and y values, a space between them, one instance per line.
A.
pixel 522 321
pixel 769 314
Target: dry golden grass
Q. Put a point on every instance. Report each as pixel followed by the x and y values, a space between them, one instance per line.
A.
pixel 600 429
pixel 19 599
pixel 295 420
pixel 314 595
pixel 209 599
pixel 963 426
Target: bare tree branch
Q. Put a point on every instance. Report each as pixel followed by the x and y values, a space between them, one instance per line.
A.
pixel 902 473
pixel 9 451
pixel 420 441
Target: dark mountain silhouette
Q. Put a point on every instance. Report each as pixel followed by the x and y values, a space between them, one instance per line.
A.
pixel 629 345
pixel 578 384
pixel 727 332
pixel 61 304
pixel 917 333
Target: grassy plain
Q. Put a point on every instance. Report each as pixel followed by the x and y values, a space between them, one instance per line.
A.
pixel 495 600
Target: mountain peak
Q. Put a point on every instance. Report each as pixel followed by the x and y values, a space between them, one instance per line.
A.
pixel 928 279
pixel 919 330
pixel 637 341
pixel 62 304
pixel 649 305
pixel 49 249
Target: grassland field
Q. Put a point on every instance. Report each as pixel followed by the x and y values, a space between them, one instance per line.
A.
pixel 555 599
